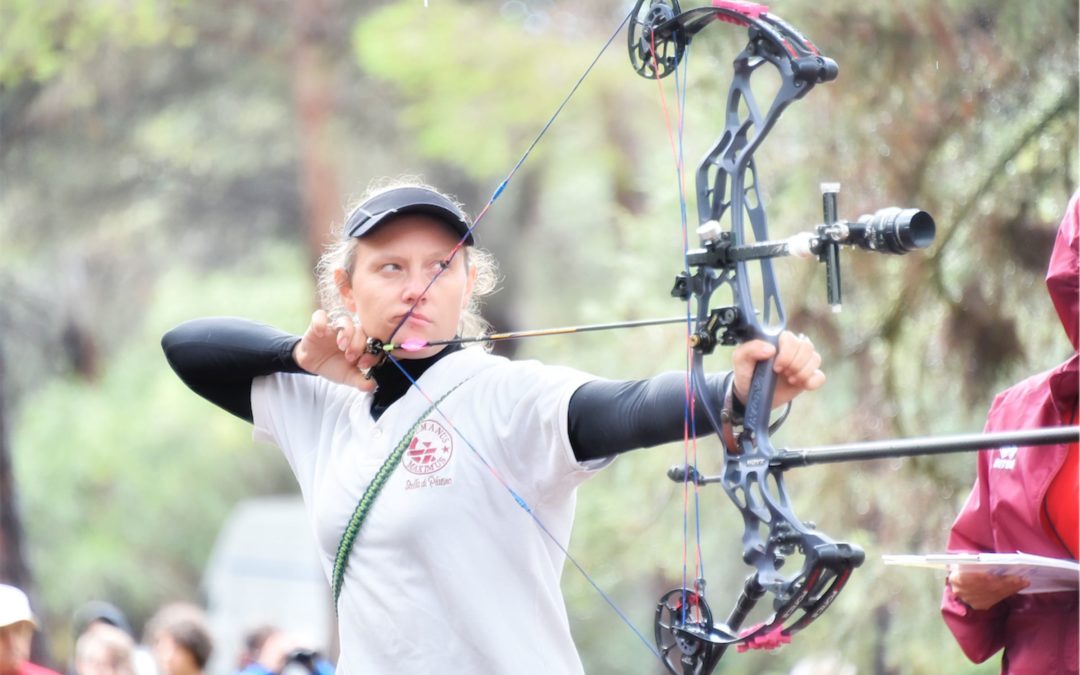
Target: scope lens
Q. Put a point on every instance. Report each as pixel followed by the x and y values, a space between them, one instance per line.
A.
pixel 894 230
pixel 915 229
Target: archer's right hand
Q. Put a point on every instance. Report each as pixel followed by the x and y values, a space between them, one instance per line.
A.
pixel 336 350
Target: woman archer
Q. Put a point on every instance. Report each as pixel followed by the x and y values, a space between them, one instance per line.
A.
pixel 407 485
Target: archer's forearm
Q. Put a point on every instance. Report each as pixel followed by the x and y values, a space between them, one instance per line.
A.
pixel 610 417
pixel 218 357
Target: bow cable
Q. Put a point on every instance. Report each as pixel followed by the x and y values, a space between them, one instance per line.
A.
pixel 690 448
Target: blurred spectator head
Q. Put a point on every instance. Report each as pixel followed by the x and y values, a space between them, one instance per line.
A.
pixel 17 625
pixel 104 649
pixel 179 637
pixel 97 612
pixel 254 640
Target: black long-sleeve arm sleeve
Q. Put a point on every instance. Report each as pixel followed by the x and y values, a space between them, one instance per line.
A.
pixel 609 417
pixel 218 357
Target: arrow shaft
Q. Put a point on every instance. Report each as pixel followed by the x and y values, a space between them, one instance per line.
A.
pixel 563 330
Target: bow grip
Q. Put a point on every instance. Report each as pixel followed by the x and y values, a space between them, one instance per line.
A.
pixel 759 398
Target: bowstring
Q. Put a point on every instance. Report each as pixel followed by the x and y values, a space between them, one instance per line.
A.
pixel 690 448
pixel 445 266
pixel 502 185
pixel 681 85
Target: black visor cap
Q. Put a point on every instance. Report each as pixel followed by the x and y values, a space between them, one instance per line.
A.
pixel 385 206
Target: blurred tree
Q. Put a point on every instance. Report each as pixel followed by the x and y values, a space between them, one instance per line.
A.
pixel 313 96
pixel 39 41
pixel 13 569
pixel 172 138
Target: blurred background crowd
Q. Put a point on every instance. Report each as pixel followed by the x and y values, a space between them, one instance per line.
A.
pixel 177 640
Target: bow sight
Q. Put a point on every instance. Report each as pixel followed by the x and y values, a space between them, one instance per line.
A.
pixel 888 230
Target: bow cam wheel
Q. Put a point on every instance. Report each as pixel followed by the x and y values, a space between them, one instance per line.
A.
pixel 675 628
pixel 655 53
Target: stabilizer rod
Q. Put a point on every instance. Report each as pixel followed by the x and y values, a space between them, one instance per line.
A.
pixel 933 445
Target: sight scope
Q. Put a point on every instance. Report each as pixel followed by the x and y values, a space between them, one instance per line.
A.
pixel 892 230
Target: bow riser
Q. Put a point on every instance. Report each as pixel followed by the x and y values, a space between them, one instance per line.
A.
pixel 728 201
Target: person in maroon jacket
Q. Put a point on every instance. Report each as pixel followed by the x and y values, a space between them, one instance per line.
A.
pixel 1025 499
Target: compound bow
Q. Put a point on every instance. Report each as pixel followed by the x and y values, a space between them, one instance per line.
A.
pixel 688 639
pixel 728 195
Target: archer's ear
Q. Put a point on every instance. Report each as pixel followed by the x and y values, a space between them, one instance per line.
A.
pixel 470 283
pixel 344 286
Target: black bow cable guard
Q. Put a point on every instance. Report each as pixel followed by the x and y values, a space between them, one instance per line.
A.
pixel 688 638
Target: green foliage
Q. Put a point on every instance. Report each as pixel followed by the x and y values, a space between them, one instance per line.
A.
pixel 496 83
pixel 42 38
pixel 125 481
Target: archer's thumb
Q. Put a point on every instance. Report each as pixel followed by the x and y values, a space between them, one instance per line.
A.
pixel 753 351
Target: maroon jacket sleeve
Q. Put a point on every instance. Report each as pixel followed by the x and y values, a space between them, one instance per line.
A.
pixel 980 633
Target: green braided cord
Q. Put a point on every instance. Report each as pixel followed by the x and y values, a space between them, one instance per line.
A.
pixel 372 491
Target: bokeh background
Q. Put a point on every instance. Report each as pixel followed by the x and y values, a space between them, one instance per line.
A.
pixel 166 159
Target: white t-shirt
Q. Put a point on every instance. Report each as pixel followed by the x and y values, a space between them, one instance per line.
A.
pixel 448 573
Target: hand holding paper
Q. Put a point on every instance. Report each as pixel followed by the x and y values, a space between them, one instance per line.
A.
pixel 983 590
pixel 1040 574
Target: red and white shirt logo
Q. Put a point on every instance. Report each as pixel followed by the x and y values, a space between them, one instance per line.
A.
pixel 430 449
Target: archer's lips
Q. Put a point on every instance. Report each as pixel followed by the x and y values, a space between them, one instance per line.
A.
pixel 415 318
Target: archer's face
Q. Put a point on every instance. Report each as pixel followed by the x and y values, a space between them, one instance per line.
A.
pixel 393 266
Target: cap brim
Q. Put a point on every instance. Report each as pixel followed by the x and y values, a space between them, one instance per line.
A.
pixel 386 206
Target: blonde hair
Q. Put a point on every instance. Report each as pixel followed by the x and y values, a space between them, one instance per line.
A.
pixel 340 254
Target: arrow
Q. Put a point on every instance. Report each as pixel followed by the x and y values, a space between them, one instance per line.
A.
pixel 415 345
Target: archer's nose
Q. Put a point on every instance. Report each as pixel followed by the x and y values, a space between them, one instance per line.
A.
pixel 415 288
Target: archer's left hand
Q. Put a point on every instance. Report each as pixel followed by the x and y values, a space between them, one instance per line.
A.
pixel 797 366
